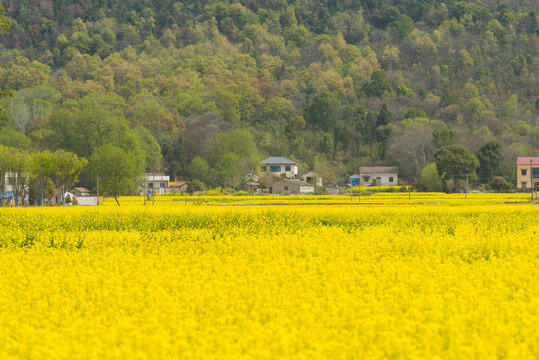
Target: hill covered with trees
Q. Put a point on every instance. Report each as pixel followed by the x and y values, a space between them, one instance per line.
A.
pixel 205 89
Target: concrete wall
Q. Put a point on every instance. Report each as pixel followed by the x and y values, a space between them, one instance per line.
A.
pixel 382 179
pixel 526 178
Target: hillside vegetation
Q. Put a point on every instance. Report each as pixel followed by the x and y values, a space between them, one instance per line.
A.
pixel 206 89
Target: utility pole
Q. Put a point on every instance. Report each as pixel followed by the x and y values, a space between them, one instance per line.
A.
pixel 144 191
pixel 531 177
pixel 466 196
pixel 97 187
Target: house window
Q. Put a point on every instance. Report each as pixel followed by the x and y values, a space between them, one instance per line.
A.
pixel 163 185
pixel 524 184
pixel 288 168
pixel 523 172
pixel 275 168
pixel 391 179
pixel 378 180
pixel 366 178
pixel 286 188
pixel 150 185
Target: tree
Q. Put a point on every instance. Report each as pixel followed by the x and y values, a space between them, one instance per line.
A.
pixel 499 184
pixel 454 162
pixel 490 158
pixel 67 167
pixel 198 169
pixel 18 172
pixel 379 84
pixel 4 26
pixel 116 170
pixel 42 168
pixel 443 137
pixel 383 131
pixel 324 111
pixel 294 130
pixel 404 26
pixel 430 179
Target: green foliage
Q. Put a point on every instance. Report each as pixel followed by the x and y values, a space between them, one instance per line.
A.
pixel 490 158
pixel 162 79
pixel 116 170
pixel 455 162
pixel 430 180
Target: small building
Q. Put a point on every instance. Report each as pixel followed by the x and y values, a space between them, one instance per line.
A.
pixel 332 188
pixel 312 178
pixel 179 186
pixel 156 183
pixel 354 180
pixel 251 186
pixel 378 175
pixel 528 173
pixel 81 192
pixel 289 186
pixel 279 165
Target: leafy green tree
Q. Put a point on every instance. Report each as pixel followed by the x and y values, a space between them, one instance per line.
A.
pixel 4 26
pixel 442 137
pixel 323 111
pixel 404 26
pixel 379 84
pixel 454 162
pixel 66 171
pixel 499 184
pixel 430 180
pixel 490 158
pixel 198 169
pixel 42 168
pixel 382 129
pixel 116 170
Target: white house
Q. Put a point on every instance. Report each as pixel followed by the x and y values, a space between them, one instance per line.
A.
pixel 280 165
pixel 378 175
pixel 155 183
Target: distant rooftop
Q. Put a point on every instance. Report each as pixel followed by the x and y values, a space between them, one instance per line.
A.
pixel 297 182
pixel 278 160
pixel 378 170
pixel 525 160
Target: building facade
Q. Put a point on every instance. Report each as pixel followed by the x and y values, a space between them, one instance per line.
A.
pixel 289 187
pixel 378 175
pixel 156 183
pixel 278 166
pixel 312 178
pixel 528 173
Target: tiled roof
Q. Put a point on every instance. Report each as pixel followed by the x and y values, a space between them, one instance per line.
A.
pixel 81 189
pixel 178 184
pixel 378 170
pixel 297 182
pixel 525 160
pixel 278 160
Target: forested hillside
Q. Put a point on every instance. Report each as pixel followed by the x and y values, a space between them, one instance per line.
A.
pixel 206 89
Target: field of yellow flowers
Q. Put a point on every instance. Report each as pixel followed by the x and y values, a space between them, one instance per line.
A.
pixel 437 280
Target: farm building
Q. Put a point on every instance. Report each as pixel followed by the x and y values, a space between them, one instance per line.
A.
pixel 312 178
pixel 289 186
pixel 179 186
pixel 81 192
pixel 378 175
pixel 279 165
pixel 528 173
pixel 251 186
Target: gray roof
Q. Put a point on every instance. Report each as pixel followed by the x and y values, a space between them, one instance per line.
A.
pixel 297 182
pixel 278 160
pixel 365 170
pixel 355 176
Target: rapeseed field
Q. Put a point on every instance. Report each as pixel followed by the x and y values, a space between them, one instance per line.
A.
pixel 437 280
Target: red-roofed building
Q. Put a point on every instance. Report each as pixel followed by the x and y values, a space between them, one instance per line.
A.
pixel 528 172
pixel 179 186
